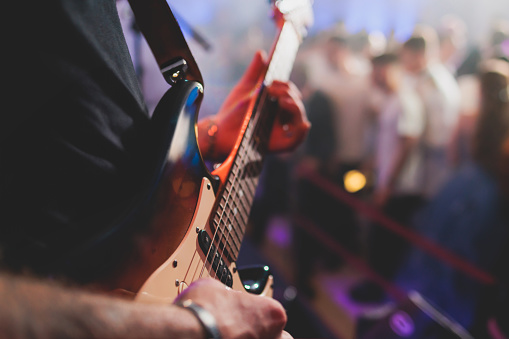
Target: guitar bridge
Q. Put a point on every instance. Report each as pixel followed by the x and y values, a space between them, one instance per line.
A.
pixel 214 258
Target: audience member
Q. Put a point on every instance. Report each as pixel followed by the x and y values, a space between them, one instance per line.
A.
pixel 460 151
pixel 440 96
pixel 460 147
pixel 401 123
pixel 398 186
pixel 498 43
pixel 316 154
pixel 452 35
pixel 341 79
pixel 345 82
pixel 469 215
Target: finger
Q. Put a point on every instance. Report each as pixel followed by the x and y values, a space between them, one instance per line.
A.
pixel 289 86
pixel 278 89
pixel 256 67
pixel 284 90
pixel 249 81
pixel 292 112
pixel 285 141
pixel 288 98
pixel 288 112
pixel 274 317
pixel 291 126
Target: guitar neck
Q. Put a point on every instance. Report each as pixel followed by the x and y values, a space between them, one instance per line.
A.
pixel 231 213
pixel 283 54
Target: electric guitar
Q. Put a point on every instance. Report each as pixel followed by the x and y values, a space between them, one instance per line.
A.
pixel 197 218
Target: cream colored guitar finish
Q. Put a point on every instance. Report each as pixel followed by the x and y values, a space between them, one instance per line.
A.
pixel 187 263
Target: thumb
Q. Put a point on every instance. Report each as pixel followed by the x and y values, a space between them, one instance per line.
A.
pixel 257 66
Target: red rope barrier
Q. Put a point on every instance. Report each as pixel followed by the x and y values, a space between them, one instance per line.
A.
pixel 418 240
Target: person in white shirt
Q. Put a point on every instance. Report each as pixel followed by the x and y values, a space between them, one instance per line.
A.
pixel 346 83
pixel 400 126
pixel 398 167
pixel 440 96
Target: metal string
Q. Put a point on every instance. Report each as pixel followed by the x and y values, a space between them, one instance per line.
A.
pixel 254 126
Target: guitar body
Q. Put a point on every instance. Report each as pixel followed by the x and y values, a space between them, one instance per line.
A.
pixel 166 220
pixel 164 256
pixel 188 263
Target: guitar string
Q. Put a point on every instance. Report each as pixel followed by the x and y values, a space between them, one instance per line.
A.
pixel 218 229
pixel 249 152
pixel 253 155
pixel 238 176
pixel 256 126
pixel 253 124
pixel 219 225
pixel 240 162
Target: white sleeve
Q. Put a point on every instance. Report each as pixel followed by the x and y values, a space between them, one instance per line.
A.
pixel 411 118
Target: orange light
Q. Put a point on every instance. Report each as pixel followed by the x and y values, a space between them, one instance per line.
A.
pixel 354 181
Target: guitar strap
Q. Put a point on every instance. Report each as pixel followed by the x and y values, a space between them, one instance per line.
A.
pixel 164 36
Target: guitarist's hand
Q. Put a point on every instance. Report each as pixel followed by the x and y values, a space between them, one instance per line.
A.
pixel 239 315
pixel 217 134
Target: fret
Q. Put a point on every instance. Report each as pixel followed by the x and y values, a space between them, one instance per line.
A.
pixel 246 207
pixel 233 233
pixel 223 236
pixel 242 147
pixel 222 203
pixel 239 217
pixel 243 193
pixel 226 248
pixel 227 215
pixel 241 208
pixel 238 225
pixel 225 205
pixel 221 220
pixel 233 246
pixel 221 224
pixel 236 209
pixel 253 170
pixel 230 222
pixel 248 183
pixel 235 167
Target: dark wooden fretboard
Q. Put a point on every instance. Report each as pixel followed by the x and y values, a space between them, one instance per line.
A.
pixel 231 212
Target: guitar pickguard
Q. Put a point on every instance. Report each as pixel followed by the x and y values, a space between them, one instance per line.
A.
pixel 188 263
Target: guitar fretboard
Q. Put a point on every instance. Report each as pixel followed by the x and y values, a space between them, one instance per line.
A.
pixel 234 203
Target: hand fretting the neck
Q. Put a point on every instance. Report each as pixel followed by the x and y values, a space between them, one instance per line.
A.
pixel 235 200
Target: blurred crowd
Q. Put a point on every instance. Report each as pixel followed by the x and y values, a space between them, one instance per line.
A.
pixel 426 123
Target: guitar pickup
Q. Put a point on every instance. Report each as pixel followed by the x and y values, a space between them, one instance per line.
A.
pixel 214 258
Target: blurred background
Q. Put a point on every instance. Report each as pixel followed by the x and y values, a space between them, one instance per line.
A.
pixel 391 220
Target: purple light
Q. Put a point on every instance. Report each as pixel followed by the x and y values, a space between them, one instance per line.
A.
pixel 279 232
pixel 402 324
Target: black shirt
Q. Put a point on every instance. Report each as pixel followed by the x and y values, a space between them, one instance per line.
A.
pixel 72 142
